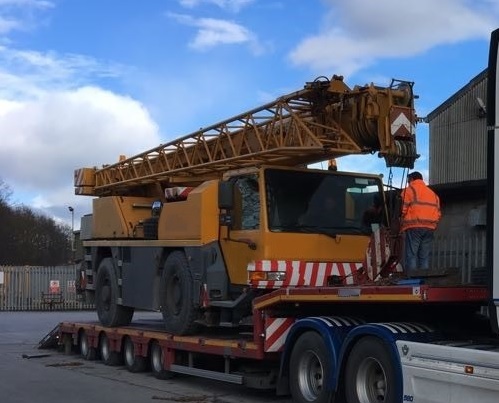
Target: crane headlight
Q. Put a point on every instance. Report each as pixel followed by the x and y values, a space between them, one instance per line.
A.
pixel 267 276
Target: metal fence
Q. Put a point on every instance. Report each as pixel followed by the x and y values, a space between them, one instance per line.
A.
pixel 464 253
pixel 31 288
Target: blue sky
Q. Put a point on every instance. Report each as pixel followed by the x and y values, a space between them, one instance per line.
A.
pixel 83 81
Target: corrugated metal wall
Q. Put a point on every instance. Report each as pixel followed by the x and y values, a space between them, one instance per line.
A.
pixel 21 288
pixel 463 252
pixel 458 136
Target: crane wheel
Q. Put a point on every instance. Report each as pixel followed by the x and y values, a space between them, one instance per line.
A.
pixel 106 297
pixel 176 295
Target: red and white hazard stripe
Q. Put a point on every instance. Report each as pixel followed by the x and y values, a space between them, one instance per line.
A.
pixel 298 273
pixel 177 193
pixel 378 253
pixel 276 331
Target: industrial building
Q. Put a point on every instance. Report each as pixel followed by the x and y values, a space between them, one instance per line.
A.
pixel 457 165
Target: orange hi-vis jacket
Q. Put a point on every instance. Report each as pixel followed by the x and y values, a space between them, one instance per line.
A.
pixel 420 208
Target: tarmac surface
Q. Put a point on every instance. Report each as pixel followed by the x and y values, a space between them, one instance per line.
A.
pixel 30 375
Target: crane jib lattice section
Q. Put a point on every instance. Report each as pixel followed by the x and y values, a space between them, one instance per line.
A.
pixel 324 120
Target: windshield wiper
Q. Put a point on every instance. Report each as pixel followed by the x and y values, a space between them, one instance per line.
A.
pixel 322 229
pixel 308 229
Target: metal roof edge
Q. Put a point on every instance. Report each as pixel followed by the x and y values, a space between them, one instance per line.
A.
pixel 473 82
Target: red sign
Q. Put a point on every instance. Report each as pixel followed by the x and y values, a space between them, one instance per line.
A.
pixel 54 287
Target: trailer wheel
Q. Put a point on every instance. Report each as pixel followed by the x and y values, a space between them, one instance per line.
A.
pixel 87 352
pixel 134 363
pixel 106 292
pixel 67 343
pixel 176 295
pixel 310 367
pixel 157 362
pixel 370 373
pixel 108 357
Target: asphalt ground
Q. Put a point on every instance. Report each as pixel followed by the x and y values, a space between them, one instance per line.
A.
pixel 30 375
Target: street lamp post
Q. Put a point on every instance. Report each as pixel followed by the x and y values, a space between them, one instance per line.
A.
pixel 72 211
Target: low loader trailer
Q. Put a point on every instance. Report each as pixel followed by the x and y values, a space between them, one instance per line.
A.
pixel 315 356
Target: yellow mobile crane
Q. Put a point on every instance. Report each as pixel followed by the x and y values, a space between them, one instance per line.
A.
pixel 266 272
pixel 200 226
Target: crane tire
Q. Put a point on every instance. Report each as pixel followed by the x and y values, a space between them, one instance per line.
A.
pixel 179 310
pixel 110 313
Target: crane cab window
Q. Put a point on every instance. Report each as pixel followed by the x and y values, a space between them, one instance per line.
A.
pixel 319 201
pixel 246 203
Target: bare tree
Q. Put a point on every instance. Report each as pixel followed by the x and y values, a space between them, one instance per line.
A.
pixel 30 238
pixel 5 192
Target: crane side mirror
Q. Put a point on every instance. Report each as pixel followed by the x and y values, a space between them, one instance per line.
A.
pixel 226 202
pixel 156 208
pixel 226 195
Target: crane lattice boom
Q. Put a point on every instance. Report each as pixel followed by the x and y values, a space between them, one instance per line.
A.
pixel 324 120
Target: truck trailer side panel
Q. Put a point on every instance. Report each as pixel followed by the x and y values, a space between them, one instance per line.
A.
pixel 456 372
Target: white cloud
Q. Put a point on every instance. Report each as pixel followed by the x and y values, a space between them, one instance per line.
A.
pixel 230 5
pixel 18 14
pixel 43 141
pixel 47 138
pixel 7 25
pixel 358 32
pixel 7 106
pixel 26 74
pixel 53 118
pixel 27 3
pixel 213 32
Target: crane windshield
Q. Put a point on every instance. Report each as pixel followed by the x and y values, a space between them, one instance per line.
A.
pixel 322 202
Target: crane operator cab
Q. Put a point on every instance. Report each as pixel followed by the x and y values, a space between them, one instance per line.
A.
pixel 304 201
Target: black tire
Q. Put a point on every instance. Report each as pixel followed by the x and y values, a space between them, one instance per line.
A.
pixel 176 296
pixel 108 357
pixel 87 352
pixel 309 368
pixel 370 373
pixel 106 297
pixel 134 363
pixel 157 363
pixel 67 344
